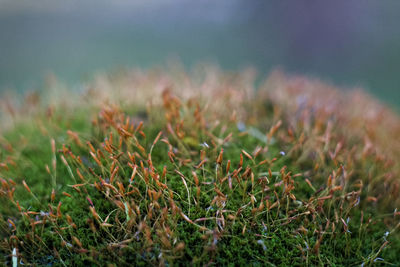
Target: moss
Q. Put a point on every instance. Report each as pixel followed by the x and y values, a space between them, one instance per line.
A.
pixel 196 184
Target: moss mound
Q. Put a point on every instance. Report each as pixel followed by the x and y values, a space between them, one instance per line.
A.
pixel 175 168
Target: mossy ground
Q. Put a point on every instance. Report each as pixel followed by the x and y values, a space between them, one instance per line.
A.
pixel 171 169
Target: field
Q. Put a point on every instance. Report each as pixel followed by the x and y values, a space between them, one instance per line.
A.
pixel 167 167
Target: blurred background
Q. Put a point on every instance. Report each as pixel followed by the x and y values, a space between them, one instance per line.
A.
pixel 345 42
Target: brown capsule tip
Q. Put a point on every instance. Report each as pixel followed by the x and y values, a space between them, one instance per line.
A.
pixel 26 186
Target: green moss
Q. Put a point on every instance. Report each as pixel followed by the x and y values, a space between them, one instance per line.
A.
pixel 285 200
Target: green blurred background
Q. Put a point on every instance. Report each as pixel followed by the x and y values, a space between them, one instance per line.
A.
pixel 346 42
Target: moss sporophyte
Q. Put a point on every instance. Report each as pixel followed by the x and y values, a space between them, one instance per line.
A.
pixel 167 168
